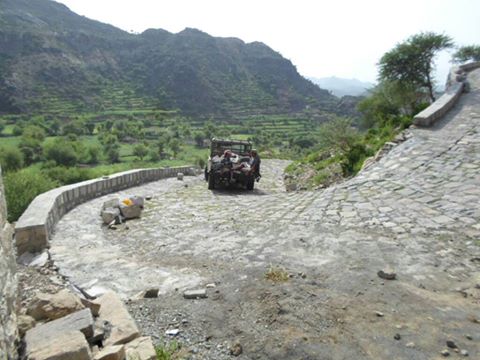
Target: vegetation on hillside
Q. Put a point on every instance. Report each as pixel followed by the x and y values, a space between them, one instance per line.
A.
pixel 55 62
pixel 405 87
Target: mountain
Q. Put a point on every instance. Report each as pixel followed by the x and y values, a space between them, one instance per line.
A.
pixel 55 61
pixel 341 87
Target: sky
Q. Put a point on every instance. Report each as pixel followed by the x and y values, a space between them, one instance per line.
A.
pixel 343 38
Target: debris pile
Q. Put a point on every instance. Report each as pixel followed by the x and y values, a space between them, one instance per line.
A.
pixel 65 326
pixel 116 211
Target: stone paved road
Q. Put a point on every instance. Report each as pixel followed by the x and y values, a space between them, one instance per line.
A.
pixel 417 210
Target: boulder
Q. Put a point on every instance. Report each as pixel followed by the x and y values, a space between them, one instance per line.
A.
pixel 66 345
pixel 81 321
pixel 140 349
pixel 94 307
pixel 114 311
pixel 24 323
pixel 195 294
pixel 111 203
pixel 138 201
pixel 110 214
pixel 180 176
pixel 51 307
pixel 130 212
pixel 116 352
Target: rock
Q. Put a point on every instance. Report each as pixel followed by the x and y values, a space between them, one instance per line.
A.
pixel 114 311
pixel 172 332
pixel 34 260
pixel 79 321
pixel 445 353
pixel 138 201
pixel 148 197
pixel 115 352
pixel 24 323
pixel 464 352
pixel 210 286
pixel 140 349
pixel 469 337
pixel 180 176
pixel 94 307
pixel 130 212
pixel 397 336
pixel 109 215
pixel 51 307
pixel 451 344
pixel 66 345
pixel 236 349
pixel 379 314
pixel 387 274
pixel 195 294
pixel 151 293
pixel 111 203
pixel 410 345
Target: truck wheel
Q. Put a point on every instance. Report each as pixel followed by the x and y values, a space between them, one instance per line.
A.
pixel 250 183
pixel 211 182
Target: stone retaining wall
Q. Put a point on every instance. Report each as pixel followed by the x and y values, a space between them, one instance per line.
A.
pixel 8 284
pixel 454 88
pixel 36 224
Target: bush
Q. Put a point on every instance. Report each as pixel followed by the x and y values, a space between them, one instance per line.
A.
pixel 22 187
pixel 66 175
pixel 11 159
pixel 62 152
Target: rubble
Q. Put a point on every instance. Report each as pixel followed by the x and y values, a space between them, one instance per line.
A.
pixel 51 307
pixel 140 349
pixel 115 211
pixel 116 352
pixel 66 345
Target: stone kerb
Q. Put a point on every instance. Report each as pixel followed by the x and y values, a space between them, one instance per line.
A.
pixel 35 226
pixel 454 88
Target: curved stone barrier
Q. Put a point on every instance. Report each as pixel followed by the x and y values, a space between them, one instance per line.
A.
pixel 455 86
pixel 36 224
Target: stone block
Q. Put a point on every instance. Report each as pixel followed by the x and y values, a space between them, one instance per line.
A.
pixel 79 321
pixel 114 311
pixel 140 349
pixel 130 212
pixel 116 352
pixel 138 201
pixel 195 294
pixel 111 203
pixel 110 214
pixel 180 176
pixel 66 345
pixel 51 307
pixel 94 307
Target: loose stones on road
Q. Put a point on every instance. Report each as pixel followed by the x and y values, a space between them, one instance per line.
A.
pixel 112 310
pixel 195 294
pixel 387 274
pixel 51 307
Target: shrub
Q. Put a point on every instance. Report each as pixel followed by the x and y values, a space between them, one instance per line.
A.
pixel 68 175
pixel 11 159
pixel 22 187
pixel 62 152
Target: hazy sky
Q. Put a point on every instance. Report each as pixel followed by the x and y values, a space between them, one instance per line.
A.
pixel 345 38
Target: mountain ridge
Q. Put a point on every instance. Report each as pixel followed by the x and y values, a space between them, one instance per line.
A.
pixel 343 86
pixel 53 60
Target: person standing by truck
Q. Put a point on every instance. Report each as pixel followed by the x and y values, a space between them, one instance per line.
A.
pixel 255 164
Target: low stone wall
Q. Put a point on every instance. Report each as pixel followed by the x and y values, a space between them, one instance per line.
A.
pixel 454 88
pixel 36 224
pixel 8 284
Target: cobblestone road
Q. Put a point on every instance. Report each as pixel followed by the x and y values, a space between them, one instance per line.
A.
pixel 416 210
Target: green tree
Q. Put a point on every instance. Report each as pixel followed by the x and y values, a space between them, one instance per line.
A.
pixel 140 151
pixel 338 134
pixel 61 151
pixel 411 62
pixel 175 145
pixel 11 159
pixel 199 138
pixel 93 152
pixel 467 53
